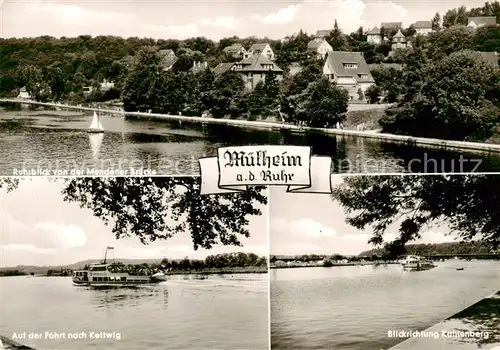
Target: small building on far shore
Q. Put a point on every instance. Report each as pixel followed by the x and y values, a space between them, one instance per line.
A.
pixel 23 93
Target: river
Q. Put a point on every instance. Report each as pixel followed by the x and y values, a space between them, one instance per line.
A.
pixel 220 312
pixel 52 140
pixel 354 307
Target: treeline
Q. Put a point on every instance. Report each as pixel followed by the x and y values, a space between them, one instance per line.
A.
pixel 452 248
pixel 217 261
pixel 9 273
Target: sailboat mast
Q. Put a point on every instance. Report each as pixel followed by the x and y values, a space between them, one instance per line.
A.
pixel 105 254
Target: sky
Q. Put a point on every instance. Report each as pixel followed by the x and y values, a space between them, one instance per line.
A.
pixel 38 228
pixel 315 224
pixel 179 19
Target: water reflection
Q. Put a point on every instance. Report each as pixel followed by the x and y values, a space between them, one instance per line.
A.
pixel 125 297
pixel 95 141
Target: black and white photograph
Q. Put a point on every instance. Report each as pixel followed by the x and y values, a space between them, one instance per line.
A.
pixel 387 262
pixel 132 263
pixel 389 86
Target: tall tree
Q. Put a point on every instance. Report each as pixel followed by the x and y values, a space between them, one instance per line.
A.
pixel 436 22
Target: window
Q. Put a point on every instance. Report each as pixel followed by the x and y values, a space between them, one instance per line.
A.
pixel 350 65
pixel 363 76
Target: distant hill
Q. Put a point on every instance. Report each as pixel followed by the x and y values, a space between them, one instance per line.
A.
pixel 451 248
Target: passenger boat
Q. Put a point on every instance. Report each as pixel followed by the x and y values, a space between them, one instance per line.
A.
pixel 105 275
pixel 417 263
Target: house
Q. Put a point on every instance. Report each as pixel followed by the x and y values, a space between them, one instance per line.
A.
pixel 167 60
pixel 199 67
pixel 374 36
pixel 399 41
pixel 392 25
pixel 422 27
pixel 255 69
pixel 478 22
pixel 235 50
pixel 319 46
pixel 23 93
pixel 348 70
pixel 262 48
pixel 323 33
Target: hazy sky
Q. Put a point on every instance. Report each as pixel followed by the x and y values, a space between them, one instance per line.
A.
pixel 210 18
pixel 315 224
pixel 38 228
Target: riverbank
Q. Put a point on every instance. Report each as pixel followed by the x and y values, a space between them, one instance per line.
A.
pixel 302 265
pixel 220 271
pixel 414 141
pixel 9 344
pixel 475 327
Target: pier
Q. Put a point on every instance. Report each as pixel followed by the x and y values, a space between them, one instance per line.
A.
pixel 416 141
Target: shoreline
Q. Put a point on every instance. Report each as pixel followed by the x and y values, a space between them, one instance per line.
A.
pixel 410 140
pixel 433 337
pixel 9 344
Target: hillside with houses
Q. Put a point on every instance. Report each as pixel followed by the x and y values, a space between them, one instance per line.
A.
pixel 306 79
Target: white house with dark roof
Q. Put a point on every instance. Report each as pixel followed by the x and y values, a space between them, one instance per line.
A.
pixel 399 41
pixel 261 48
pixel 478 22
pixel 348 70
pixel 319 46
pixel 255 69
pixel 167 59
pixel 235 50
pixel 373 36
pixel 167 53
pixel 422 27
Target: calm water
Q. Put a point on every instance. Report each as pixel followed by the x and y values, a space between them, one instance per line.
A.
pixel 43 140
pixel 353 308
pixel 220 312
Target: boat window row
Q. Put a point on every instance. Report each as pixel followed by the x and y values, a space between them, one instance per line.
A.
pixel 108 279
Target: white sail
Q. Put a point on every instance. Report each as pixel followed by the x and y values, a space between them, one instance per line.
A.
pixel 96 124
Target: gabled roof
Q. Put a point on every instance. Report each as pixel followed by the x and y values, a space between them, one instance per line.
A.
pixel 257 63
pixel 483 21
pixel 490 57
pixel 166 52
pixel 168 61
pixel 374 31
pixel 314 44
pixel 392 25
pixel 422 25
pixel 235 48
pixel 398 34
pixel 258 47
pixel 322 33
pixel 223 67
pixel 337 59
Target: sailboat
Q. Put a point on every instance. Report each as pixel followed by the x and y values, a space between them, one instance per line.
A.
pixel 95 126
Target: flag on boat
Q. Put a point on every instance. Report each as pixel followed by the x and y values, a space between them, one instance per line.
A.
pixel 110 248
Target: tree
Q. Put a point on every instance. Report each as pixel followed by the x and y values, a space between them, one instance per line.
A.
pixel 436 22
pixel 452 100
pixel 229 95
pixel 321 105
pixel 468 205
pixel 373 93
pixel 33 79
pixel 361 96
pixel 159 207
